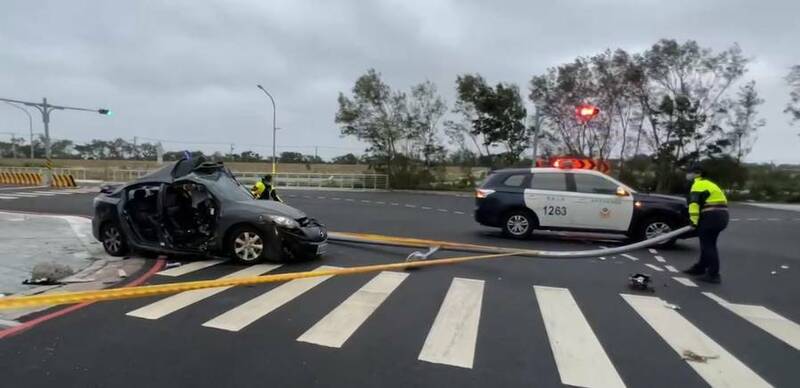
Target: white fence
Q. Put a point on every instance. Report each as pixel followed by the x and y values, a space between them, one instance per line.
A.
pixel 298 180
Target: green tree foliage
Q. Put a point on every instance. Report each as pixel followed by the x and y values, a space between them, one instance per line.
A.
pixel 793 107
pixel 744 121
pixel 376 115
pixel 345 159
pixel 426 109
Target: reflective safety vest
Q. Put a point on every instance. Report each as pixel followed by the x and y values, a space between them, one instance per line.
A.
pixel 258 189
pixel 704 193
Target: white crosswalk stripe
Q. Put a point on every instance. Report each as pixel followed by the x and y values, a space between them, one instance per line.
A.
pixel 336 327
pixel 671 269
pixel 580 358
pixel 189 267
pixel 454 333
pixel 660 259
pixel 35 193
pixel 176 302
pixel 721 369
pixel 654 267
pixel 764 318
pixel 250 311
pixel 685 281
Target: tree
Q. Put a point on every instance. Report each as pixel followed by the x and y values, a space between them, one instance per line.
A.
pixel 250 156
pixel 376 115
pixel 497 114
pixel 345 159
pixel 793 107
pixel 291 157
pixel 744 121
pixel 426 110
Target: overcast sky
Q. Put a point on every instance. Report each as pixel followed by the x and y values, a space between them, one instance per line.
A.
pixel 186 71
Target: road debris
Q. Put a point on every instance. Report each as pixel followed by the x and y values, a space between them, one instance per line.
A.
pixel 672 306
pixel 417 255
pixel 640 282
pixel 172 264
pixel 40 282
pixel 689 355
pixel 121 273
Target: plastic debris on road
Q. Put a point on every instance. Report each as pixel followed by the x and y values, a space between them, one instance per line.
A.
pixel 672 306
pixel 121 273
pixel 692 356
pixel 172 264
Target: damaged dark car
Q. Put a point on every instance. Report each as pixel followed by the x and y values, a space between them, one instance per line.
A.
pixel 194 207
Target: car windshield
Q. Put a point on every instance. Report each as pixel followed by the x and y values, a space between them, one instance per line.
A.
pixel 228 188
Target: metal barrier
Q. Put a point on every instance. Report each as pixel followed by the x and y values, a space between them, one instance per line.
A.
pixel 298 180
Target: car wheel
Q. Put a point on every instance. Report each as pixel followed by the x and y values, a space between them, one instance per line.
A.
pixel 518 224
pixel 113 240
pixel 654 227
pixel 247 245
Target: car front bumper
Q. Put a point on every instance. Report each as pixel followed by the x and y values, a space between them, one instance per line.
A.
pixel 306 242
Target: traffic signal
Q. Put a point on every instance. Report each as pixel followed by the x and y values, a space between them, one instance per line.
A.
pixel 586 112
pixel 106 112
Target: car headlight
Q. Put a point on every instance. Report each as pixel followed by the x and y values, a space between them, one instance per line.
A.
pixel 284 222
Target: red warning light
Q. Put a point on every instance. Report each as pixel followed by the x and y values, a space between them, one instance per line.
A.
pixel 586 112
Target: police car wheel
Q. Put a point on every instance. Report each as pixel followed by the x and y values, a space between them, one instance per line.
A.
pixel 654 227
pixel 518 224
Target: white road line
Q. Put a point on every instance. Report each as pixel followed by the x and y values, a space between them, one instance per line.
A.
pixel 773 219
pixel 602 247
pixel 366 201
pixel 7 197
pixel 427 208
pixel 37 193
pixel 452 338
pixel 458 212
pixel 349 199
pixel 322 197
pixel 766 319
pixel 395 204
pixel 671 268
pixel 654 267
pixel 735 219
pixel 23 195
pixel 62 192
pixel 250 311
pixel 579 356
pixel 685 281
pixel 660 259
pixel 442 210
pixel 653 251
pixel 722 370
pixel 336 198
pixel 381 203
pixel 336 327
pixel 753 219
pixel 412 206
pixel 176 302
pixel 633 258
pixel 189 267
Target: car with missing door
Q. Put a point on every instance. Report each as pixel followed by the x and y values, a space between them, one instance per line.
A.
pixel 522 200
pixel 194 207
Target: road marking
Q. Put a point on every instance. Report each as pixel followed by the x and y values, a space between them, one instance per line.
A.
pixel 366 201
pixel 722 370
pixel 23 195
pixel 735 219
pixel 349 199
pixel 685 281
pixel 602 247
pixel 671 268
pixel 427 208
pixel 773 219
pixel 250 311
pixel 654 267
pixel 452 338
pixel 442 210
pixel 766 319
pixel 579 356
pixel 633 258
pixel 381 203
pixel 189 267
pixel 336 198
pixel 336 327
pixel 412 206
pixel 176 302
pixel 660 259
pixel 35 193
pixel 458 212
pixel 58 192
pixel 395 204
pixel 653 251
pixel 7 197
pixel 322 197
pixel 753 219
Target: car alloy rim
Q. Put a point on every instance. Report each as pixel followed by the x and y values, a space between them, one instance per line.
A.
pixel 656 229
pixel 248 246
pixel 517 225
pixel 112 239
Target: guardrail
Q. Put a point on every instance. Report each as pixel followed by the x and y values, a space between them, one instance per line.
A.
pixel 298 180
pixel 77 173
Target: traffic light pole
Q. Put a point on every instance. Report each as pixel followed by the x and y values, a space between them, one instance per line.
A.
pixel 45 109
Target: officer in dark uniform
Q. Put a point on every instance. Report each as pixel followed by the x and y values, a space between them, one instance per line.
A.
pixel 708 212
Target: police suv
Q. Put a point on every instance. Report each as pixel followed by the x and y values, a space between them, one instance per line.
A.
pixel 521 200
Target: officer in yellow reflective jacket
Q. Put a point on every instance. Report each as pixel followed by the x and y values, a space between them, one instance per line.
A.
pixel 263 189
pixel 708 212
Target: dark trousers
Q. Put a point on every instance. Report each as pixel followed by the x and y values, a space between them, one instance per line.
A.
pixel 711 223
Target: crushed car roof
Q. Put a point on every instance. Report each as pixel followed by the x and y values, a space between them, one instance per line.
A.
pixel 176 170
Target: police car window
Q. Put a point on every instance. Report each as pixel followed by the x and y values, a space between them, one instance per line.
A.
pixel 593 184
pixel 515 180
pixel 549 181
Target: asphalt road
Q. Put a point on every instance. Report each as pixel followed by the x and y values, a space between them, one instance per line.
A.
pixel 515 336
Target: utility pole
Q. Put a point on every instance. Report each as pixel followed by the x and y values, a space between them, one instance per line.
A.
pixel 45 109
pixel 30 123
pixel 274 128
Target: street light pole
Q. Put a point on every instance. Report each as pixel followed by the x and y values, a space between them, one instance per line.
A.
pixel 274 127
pixel 45 109
pixel 30 122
